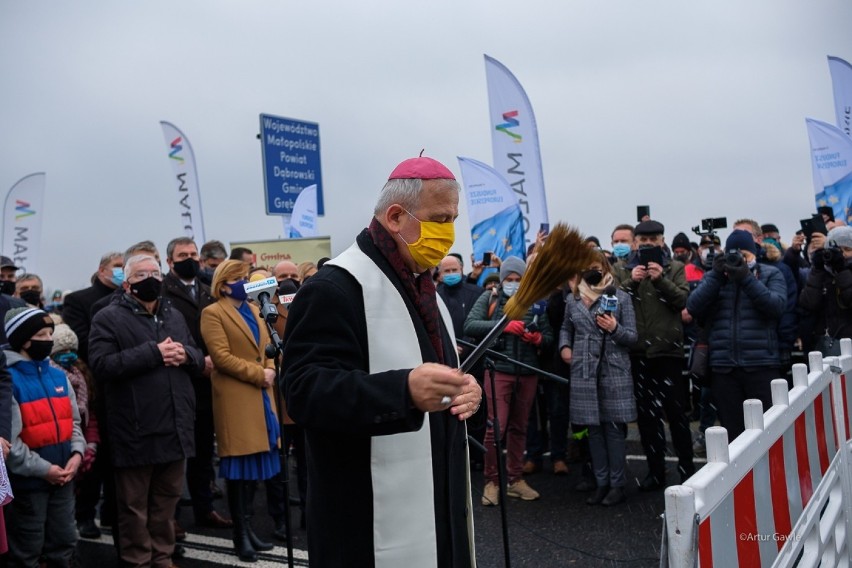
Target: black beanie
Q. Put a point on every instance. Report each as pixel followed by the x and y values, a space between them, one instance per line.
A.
pixel 681 241
pixel 741 240
pixel 23 323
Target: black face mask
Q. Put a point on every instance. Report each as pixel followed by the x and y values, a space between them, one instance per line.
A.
pixel 146 290
pixel 684 258
pixel 7 287
pixel 32 297
pixel 187 268
pixel 39 349
pixel 593 277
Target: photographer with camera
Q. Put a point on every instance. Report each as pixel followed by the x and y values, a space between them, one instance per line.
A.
pixel 658 289
pixel 828 290
pixel 740 303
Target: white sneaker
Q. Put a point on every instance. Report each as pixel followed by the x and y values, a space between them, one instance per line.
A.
pixel 491 495
pixel 522 490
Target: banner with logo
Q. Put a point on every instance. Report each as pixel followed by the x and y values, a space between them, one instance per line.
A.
pixel 303 222
pixel 831 158
pixel 514 143
pixel 496 221
pixel 841 83
pixel 22 215
pixel 270 253
pixel 188 196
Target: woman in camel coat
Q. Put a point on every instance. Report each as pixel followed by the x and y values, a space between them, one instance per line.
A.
pixel 244 415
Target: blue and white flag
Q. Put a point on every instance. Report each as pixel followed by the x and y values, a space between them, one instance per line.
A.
pixel 303 222
pixel 514 143
pixel 841 84
pixel 22 222
pixel 831 158
pixel 496 221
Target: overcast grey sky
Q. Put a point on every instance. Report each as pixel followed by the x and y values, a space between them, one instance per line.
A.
pixel 696 109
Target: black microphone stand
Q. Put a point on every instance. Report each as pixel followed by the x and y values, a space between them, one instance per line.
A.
pixel 505 358
pixel 274 351
pixel 501 463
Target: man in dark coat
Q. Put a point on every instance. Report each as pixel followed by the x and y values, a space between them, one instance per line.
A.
pixel 658 287
pixel 77 306
pixel 142 350
pixel 370 370
pixel 188 295
pixel 739 303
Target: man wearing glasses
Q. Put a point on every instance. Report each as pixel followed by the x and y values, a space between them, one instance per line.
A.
pixel 142 348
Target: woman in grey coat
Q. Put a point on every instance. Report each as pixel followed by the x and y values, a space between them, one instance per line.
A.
pixel 596 344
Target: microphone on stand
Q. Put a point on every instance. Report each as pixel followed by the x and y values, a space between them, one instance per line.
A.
pixel 260 290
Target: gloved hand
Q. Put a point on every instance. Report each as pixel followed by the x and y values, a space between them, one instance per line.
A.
pixel 89 457
pixel 838 263
pixel 532 337
pixel 737 272
pixel 515 327
pixel 719 264
pixel 817 261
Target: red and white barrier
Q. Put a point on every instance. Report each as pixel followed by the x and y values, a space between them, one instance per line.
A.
pixel 781 493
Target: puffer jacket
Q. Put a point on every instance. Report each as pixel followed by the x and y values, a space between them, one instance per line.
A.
pixel 829 297
pixel 658 305
pixel 789 323
pixel 150 407
pixel 741 317
pixel 478 324
pixel 45 422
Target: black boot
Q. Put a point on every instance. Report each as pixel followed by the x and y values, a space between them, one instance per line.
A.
pixel 259 545
pixel 237 501
pixel 598 496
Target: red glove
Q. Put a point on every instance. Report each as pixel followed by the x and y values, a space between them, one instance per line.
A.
pixel 533 337
pixel 515 327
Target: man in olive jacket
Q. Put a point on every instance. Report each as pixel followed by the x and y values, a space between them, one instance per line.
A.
pixel 657 285
pixel 143 349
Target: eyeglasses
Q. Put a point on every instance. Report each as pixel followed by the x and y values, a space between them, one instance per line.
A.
pixel 142 275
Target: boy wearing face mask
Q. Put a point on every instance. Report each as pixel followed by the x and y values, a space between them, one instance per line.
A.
pixel 47 445
pixel 739 302
pixel 522 340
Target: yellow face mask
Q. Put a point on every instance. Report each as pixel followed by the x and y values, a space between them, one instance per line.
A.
pixel 434 242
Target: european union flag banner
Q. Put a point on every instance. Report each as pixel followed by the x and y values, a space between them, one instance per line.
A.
pixel 841 84
pixel 831 159
pixel 22 215
pixel 303 222
pixel 514 143
pixel 496 219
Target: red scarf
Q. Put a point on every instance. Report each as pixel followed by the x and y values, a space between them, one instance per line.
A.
pixel 419 288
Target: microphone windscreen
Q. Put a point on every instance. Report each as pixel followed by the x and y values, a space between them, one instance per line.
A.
pixel 609 291
pixel 257 276
pixel 287 286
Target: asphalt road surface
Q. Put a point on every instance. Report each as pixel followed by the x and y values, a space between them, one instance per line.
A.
pixel 557 530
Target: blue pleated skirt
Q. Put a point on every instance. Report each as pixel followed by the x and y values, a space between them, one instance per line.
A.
pixel 263 465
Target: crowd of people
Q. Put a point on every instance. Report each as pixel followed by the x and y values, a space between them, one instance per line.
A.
pixel 115 399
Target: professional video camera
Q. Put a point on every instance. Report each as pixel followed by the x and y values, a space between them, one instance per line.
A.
pixel 709 226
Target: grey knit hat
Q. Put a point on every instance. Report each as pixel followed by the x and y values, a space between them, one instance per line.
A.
pixel 839 237
pixel 64 339
pixel 512 264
